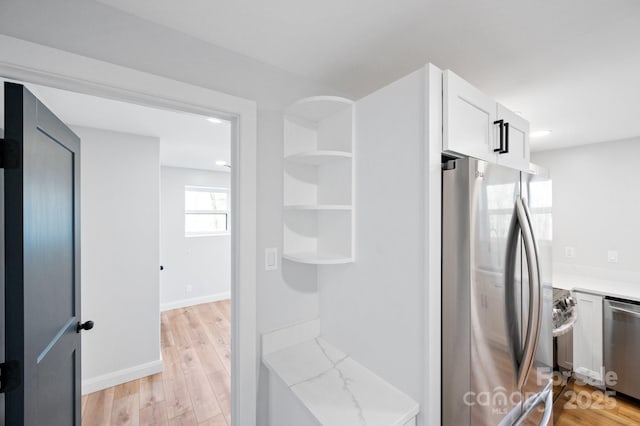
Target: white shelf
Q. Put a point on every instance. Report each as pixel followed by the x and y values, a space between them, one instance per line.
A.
pixel 317 108
pixel 317 207
pixel 317 158
pixel 318 176
pixel 317 258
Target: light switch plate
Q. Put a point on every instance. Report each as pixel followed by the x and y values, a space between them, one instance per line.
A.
pixel 612 256
pixel 569 252
pixel 271 259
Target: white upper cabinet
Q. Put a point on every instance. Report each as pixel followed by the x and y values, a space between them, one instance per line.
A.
pixel 468 120
pixel 474 125
pixel 515 133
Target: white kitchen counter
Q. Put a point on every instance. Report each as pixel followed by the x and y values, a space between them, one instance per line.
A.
pixel 597 285
pixel 336 389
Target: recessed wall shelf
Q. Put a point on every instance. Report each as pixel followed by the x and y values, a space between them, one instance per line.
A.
pixel 318 181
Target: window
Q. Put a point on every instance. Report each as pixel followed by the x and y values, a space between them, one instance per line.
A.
pixel 206 211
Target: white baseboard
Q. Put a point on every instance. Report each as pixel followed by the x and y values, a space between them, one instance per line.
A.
pixel 121 376
pixel 195 301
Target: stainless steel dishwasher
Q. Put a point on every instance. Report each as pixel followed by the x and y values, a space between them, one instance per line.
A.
pixel 622 344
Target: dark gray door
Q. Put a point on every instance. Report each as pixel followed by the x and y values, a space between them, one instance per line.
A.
pixel 42 262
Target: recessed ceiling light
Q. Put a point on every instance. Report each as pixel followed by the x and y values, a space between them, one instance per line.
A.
pixel 214 120
pixel 221 163
pixel 540 133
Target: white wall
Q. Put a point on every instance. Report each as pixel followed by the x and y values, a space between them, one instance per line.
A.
pixel 204 263
pixel 120 183
pixel 285 296
pixel 596 204
pixel 374 309
pixel 288 295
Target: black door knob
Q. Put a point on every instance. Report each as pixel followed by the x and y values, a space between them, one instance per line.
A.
pixel 161 268
pixel 87 325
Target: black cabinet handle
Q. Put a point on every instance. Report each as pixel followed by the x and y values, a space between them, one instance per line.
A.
pixel 88 325
pixel 501 123
pixel 506 139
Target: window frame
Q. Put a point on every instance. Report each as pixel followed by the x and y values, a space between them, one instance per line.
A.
pixel 227 213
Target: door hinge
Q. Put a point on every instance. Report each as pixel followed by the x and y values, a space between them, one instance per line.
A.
pixel 10 377
pixel 9 154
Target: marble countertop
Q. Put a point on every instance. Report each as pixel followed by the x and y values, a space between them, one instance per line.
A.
pixel 597 285
pixel 336 389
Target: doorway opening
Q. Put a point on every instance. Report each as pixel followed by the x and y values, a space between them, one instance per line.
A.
pixel 156 260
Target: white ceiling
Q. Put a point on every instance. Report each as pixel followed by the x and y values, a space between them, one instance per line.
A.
pixel 186 140
pixel 571 66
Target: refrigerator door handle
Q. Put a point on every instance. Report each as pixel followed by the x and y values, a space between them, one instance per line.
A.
pixel 533 264
pixel 511 302
pixel 545 397
pixel 523 357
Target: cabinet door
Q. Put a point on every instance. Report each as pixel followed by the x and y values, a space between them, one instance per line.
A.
pixel 516 140
pixel 587 337
pixel 468 120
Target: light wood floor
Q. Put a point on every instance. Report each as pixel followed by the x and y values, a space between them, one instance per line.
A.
pixel 193 389
pixel 591 407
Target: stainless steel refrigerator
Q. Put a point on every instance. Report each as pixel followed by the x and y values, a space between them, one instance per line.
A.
pixel 497 345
